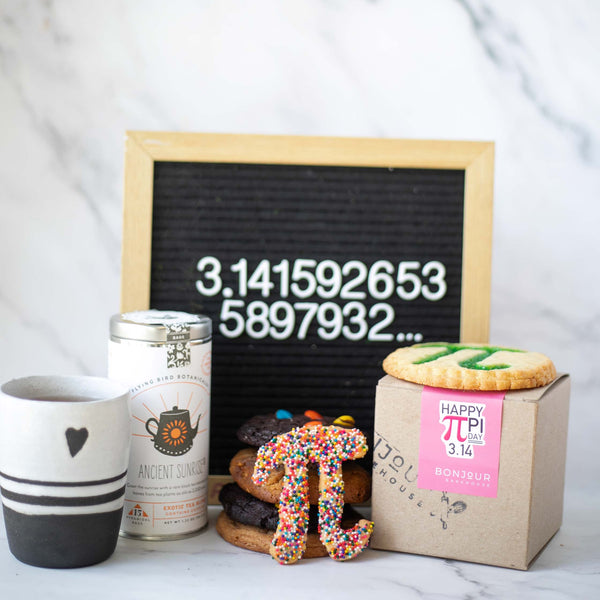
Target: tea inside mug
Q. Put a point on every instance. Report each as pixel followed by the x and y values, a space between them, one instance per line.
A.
pixel 62 398
pixel 74 389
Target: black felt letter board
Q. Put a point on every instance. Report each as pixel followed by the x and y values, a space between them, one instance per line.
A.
pixel 298 322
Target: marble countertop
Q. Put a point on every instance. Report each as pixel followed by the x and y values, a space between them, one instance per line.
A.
pixel 207 565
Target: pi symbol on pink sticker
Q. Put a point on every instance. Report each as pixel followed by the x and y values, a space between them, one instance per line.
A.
pixel 458 425
pixel 464 427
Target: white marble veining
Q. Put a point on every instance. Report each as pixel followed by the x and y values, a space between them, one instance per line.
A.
pixel 75 75
pixel 209 566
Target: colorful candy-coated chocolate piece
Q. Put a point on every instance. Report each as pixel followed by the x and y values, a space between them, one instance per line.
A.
pixel 327 446
pixel 344 421
pixel 283 414
pixel 313 424
pixel 313 415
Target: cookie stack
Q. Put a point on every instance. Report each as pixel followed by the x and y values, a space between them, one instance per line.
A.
pixel 250 514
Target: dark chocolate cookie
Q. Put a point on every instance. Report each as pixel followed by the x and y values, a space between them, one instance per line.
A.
pixel 263 428
pixel 243 508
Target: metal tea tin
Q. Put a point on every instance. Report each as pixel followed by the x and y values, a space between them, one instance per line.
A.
pixel 165 359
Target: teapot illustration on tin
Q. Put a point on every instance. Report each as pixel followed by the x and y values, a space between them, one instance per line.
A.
pixel 174 434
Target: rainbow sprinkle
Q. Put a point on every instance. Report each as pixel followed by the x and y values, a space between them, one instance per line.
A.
pixel 328 447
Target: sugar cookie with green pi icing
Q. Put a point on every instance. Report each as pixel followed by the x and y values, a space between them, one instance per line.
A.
pixel 470 366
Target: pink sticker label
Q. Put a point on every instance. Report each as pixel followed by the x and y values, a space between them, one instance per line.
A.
pixel 459 448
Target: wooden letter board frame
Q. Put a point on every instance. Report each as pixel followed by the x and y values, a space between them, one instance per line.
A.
pixel 475 159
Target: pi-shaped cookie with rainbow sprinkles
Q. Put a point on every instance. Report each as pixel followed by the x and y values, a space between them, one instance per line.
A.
pixel 328 447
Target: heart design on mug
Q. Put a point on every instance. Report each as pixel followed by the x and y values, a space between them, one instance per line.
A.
pixel 76 438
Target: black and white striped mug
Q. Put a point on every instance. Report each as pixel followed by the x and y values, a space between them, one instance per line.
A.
pixel 64 449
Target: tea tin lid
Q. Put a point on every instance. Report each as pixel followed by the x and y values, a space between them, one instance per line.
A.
pixel 160 326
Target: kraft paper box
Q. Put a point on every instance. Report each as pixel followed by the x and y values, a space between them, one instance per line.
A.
pixel 508 530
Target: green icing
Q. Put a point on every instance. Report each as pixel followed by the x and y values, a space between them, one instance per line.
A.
pixel 469 363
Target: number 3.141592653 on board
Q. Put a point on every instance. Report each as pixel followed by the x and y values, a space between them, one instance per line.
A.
pixel 352 300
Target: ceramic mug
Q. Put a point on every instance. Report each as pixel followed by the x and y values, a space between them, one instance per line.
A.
pixel 64 450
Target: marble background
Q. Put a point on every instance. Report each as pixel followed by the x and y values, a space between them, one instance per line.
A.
pixel 75 75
